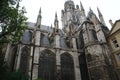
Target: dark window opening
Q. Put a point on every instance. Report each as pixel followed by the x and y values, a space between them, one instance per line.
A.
pixel 67 67
pixel 94 34
pixel 24 61
pixel 83 67
pixel 89 57
pixel 115 43
pixel 47 63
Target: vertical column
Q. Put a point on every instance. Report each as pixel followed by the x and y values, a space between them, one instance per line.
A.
pixel 37 38
pixel 100 34
pixel 7 52
pixel 85 33
pixel 76 67
pixel 58 75
pixel 57 41
pixel 74 43
pixel 18 57
pixel 35 63
pixel 30 61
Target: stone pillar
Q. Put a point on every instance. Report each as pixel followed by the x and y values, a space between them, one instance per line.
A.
pixel 57 41
pixel 85 34
pixel 7 52
pixel 74 43
pixel 58 65
pixel 35 63
pixel 37 38
pixel 30 61
pixel 18 57
pixel 76 67
pixel 35 72
pixel 100 34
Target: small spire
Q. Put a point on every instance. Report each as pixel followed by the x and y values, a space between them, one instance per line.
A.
pixel 39 19
pixel 39 15
pixel 56 23
pixel 40 11
pixel 56 16
pixel 82 9
pixel 111 23
pixel 99 13
pixel 56 19
pixel 51 25
pixel 90 10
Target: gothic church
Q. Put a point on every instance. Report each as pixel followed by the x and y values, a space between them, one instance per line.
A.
pixel 78 51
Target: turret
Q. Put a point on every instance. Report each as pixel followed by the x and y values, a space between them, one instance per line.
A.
pixel 111 23
pixel 69 5
pixel 101 17
pixel 38 24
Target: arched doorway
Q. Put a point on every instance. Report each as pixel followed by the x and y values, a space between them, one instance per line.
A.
pixel 67 67
pixel 47 65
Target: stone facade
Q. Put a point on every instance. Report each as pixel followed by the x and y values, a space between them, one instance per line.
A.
pixel 78 51
pixel 114 43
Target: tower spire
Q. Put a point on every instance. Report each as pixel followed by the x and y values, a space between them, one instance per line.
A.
pixel 99 13
pixel 56 16
pixel 101 17
pixel 81 6
pixel 39 19
pixel 40 10
pixel 56 23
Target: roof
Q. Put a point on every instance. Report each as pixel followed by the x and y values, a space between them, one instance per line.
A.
pixel 114 26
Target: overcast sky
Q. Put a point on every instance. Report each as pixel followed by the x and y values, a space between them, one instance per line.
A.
pixel 109 8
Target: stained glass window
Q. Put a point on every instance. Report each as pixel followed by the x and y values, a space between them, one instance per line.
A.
pixel 47 63
pixel 67 67
pixel 24 61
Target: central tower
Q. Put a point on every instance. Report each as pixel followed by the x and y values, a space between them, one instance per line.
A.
pixel 72 17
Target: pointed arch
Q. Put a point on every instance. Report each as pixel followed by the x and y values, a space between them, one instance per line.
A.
pixel 47 65
pixel 67 67
pixel 24 61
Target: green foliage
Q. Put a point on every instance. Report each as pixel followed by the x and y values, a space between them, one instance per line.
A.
pixel 3 66
pixel 12 25
pixel 39 79
pixel 16 76
pixel 12 21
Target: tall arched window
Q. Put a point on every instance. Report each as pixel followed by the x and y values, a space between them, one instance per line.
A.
pixel 24 61
pixel 83 67
pixel 47 65
pixel 67 67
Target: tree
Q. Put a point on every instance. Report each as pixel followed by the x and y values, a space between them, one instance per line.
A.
pixel 12 21
pixel 39 79
pixel 12 25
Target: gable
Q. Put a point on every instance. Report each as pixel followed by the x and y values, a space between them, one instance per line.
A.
pixel 115 27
